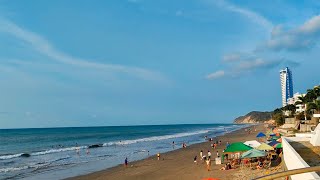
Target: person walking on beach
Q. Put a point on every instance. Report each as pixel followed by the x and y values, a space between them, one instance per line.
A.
pixel 208 163
pixel 201 155
pixel 158 155
pixel 218 154
pixel 214 145
pixel 173 144
pixel 126 162
pixel 209 155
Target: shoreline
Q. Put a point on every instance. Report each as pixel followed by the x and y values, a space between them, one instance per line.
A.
pixel 144 168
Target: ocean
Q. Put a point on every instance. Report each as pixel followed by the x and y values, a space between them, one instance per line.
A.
pixel 57 153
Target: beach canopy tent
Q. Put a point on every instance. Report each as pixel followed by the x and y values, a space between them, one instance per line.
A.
pixel 237 147
pixel 272 143
pixel 260 134
pixel 253 153
pixel 279 145
pixel 252 143
pixel 265 147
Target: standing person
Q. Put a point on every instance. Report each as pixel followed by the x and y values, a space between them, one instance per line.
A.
pixel 214 145
pixel 126 162
pixel 158 155
pixel 218 154
pixel 209 155
pixel 220 142
pixel 201 155
pixel 208 162
pixel 228 144
pixel 173 144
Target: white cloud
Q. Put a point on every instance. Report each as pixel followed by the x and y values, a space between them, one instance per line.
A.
pixel 253 16
pixel 216 75
pixel 299 38
pixel 44 47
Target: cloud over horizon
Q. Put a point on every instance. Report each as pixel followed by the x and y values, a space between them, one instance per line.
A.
pixel 244 64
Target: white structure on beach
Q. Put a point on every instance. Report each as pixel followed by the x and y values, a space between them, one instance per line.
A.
pixel 286 85
pixel 293 160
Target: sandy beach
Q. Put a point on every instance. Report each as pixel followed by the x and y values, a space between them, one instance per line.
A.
pixel 177 164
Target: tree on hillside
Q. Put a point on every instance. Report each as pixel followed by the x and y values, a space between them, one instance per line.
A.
pixel 303 100
pixel 316 90
pixel 314 106
pixel 291 108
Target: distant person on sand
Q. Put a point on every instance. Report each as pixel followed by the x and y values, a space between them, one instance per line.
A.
pixel 201 155
pixel 209 155
pixel 195 159
pixel 126 162
pixel 218 154
pixel 208 163
pixel 220 142
pixel 228 144
pixel 214 145
pixel 158 155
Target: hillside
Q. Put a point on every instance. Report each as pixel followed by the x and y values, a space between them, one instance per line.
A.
pixel 253 117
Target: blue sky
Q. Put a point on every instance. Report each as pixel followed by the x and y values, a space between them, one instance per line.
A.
pixel 131 62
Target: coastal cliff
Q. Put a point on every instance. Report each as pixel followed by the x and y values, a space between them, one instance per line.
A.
pixel 254 117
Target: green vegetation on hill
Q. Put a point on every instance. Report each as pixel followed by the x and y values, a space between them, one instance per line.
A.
pixel 311 101
pixel 254 117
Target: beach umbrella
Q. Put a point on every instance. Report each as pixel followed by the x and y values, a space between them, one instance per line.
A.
pixel 279 145
pixel 272 143
pixel 252 143
pixel 210 179
pixel 237 147
pixel 260 134
pixel 253 153
pixel 265 146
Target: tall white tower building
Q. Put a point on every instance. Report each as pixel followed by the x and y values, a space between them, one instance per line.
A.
pixel 286 85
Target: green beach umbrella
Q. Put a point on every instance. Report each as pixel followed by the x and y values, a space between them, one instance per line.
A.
pixel 265 146
pixel 279 145
pixel 237 147
pixel 253 153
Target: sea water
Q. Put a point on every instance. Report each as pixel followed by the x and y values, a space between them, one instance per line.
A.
pixel 57 153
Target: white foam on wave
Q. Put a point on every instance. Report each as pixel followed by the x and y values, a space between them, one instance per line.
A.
pixel 156 138
pixel 57 150
pixel 10 156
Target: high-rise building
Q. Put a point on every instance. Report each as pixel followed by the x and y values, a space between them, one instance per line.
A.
pixel 286 85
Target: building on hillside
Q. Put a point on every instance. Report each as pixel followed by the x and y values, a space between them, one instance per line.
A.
pixel 299 107
pixel 286 85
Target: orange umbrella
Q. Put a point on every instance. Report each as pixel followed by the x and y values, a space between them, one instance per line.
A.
pixel 210 179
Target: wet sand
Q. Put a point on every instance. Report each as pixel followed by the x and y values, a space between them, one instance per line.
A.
pixel 176 164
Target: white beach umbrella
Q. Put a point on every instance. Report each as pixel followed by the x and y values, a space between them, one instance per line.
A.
pixel 252 143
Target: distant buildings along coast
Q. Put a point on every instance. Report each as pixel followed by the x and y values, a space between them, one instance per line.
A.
pixel 286 85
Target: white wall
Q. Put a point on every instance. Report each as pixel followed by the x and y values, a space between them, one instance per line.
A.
pixel 293 160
